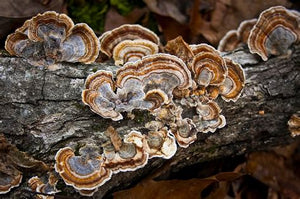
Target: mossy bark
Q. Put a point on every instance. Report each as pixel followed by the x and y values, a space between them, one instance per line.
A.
pixel 41 111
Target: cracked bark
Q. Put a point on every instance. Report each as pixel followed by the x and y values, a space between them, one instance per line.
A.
pixel 41 111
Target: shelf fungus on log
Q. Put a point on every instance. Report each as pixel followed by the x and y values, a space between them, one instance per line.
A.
pixel 208 66
pixel 10 177
pixel 11 162
pixel 160 71
pixel 99 94
pixel 185 132
pixel 50 37
pixel 126 155
pixel 234 83
pixel 161 143
pixel 110 39
pixel 133 50
pixel 277 28
pixel 145 85
pixel 294 124
pixel 48 188
pixel 236 38
pixel 84 172
pixel 180 48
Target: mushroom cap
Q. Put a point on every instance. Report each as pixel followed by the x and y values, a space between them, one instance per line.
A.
pixel 81 172
pixel 99 95
pixel 185 133
pixel 131 156
pixel 208 66
pixel 180 48
pixel 245 28
pixel 157 97
pixel 24 28
pixel 15 43
pixel 49 23
pixel 275 31
pixel 205 126
pixel 200 48
pixel 234 38
pixel 229 42
pixel 37 185
pixel 155 65
pixel 110 39
pixel 209 110
pixel 51 37
pixel 294 124
pixel 133 50
pixel 82 45
pixel 10 178
pixel 157 75
pixel 161 144
pixel 234 83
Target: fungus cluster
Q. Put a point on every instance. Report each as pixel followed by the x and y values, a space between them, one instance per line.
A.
pixel 11 161
pixel 273 33
pixel 47 188
pixel 90 169
pixel 50 37
pixel 185 77
pixel 179 84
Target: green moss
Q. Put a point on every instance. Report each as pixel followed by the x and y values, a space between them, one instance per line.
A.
pixel 124 7
pixel 95 69
pixel 90 12
pixel 80 106
pixel 142 116
pixel 99 126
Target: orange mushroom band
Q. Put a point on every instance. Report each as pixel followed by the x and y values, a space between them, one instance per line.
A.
pixel 277 28
pixel 208 66
pixel 85 172
pixel 50 37
pixel 236 38
pixel 145 84
pixel 38 185
pixel 294 124
pixel 10 178
pixel 129 43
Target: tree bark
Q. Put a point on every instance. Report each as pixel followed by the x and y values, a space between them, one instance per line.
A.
pixel 41 111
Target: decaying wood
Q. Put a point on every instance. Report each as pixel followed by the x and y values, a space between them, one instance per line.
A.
pixel 41 111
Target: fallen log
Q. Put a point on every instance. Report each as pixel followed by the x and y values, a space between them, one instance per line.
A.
pixel 41 111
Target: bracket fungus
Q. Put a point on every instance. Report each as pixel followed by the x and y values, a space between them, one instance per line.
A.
pixel 50 37
pixel 11 161
pixel 178 88
pixel 180 48
pixel 48 188
pixel 277 28
pixel 235 38
pixel 133 50
pixel 99 94
pixel 161 143
pixel 138 86
pixel 10 177
pixel 128 154
pixel 111 39
pixel 208 66
pixel 294 124
pixel 85 172
pixel 234 83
